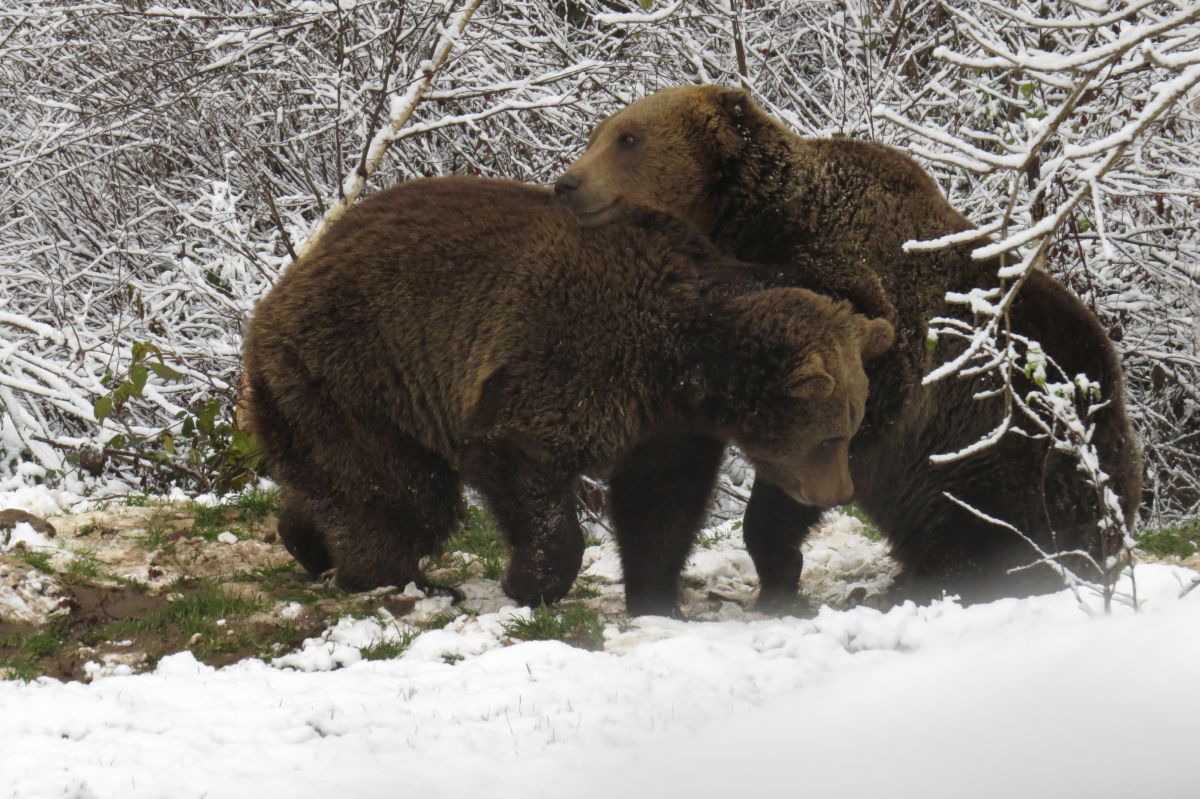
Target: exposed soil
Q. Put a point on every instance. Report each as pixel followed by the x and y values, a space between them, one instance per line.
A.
pixel 113 590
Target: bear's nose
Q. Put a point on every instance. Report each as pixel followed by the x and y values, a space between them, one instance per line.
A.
pixel 565 184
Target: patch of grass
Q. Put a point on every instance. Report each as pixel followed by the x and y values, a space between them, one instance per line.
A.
pixel 36 559
pixel 1173 541
pixel 577 625
pixel 45 642
pixel 209 521
pixel 869 528
pixel 586 587
pixel 183 617
pixel 386 650
pixel 258 503
pixel 442 619
pixel 135 500
pixel 19 669
pixel 252 642
pixel 478 537
pixel 242 513
pixel 84 567
pixel 154 536
pixel 129 582
pixel 286 583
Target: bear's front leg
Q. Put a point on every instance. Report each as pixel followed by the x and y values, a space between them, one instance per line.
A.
pixel 774 526
pixel 658 497
pixel 535 507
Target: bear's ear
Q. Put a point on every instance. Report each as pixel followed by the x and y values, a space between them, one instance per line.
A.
pixel 810 380
pixel 485 397
pixel 876 337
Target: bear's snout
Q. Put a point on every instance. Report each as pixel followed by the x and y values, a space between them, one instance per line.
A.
pixel 566 183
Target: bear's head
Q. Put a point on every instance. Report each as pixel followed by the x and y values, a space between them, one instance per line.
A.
pixel 670 151
pixel 804 390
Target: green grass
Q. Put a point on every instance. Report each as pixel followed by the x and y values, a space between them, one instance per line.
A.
pixel 286 583
pixel 183 617
pixel 154 537
pixel 386 650
pixel 135 500
pixel 577 625
pixel 45 642
pixel 442 619
pixel 36 559
pixel 478 537
pixel 257 503
pixel 242 512
pixel 84 567
pixel 1175 541
pixel 586 587
pixel 869 528
pixel 19 669
pixel 30 647
pixel 263 644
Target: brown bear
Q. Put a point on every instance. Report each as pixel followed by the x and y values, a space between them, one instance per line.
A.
pixel 465 330
pixel 832 215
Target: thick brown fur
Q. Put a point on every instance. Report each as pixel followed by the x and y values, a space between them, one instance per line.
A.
pixel 833 215
pixel 464 330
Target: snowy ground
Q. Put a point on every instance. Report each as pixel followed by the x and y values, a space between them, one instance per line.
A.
pixel 1028 698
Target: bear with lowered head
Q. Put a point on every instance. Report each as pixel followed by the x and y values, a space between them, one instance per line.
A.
pixel 461 330
pixel 832 215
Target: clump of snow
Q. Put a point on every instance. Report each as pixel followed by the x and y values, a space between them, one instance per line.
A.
pixel 23 535
pixel 27 595
pixel 227 537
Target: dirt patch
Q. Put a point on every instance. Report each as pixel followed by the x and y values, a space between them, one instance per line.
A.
pixel 114 589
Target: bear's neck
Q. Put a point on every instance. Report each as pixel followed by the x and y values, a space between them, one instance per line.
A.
pixel 724 374
pixel 754 186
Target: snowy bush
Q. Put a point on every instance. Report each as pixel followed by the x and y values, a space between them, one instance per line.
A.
pixel 162 164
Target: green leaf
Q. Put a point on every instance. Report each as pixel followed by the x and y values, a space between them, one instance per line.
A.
pixel 117 442
pixel 1026 90
pixel 189 427
pixel 646 4
pixel 137 376
pixel 103 407
pixel 207 415
pixel 243 442
pixel 164 371
pixel 168 442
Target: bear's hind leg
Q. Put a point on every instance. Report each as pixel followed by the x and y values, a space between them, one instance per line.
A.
pixel 534 504
pixel 381 528
pixel 658 496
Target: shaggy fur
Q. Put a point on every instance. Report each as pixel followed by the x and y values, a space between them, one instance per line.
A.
pixel 833 215
pixel 459 329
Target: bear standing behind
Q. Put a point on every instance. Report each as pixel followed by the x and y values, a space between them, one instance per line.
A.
pixel 833 215
pixel 459 329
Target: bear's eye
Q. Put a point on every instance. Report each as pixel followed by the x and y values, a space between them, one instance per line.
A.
pixel 627 140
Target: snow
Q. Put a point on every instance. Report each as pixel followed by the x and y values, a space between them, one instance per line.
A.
pixel 1033 698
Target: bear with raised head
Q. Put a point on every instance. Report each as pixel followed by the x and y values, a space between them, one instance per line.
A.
pixel 832 215
pixel 464 330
